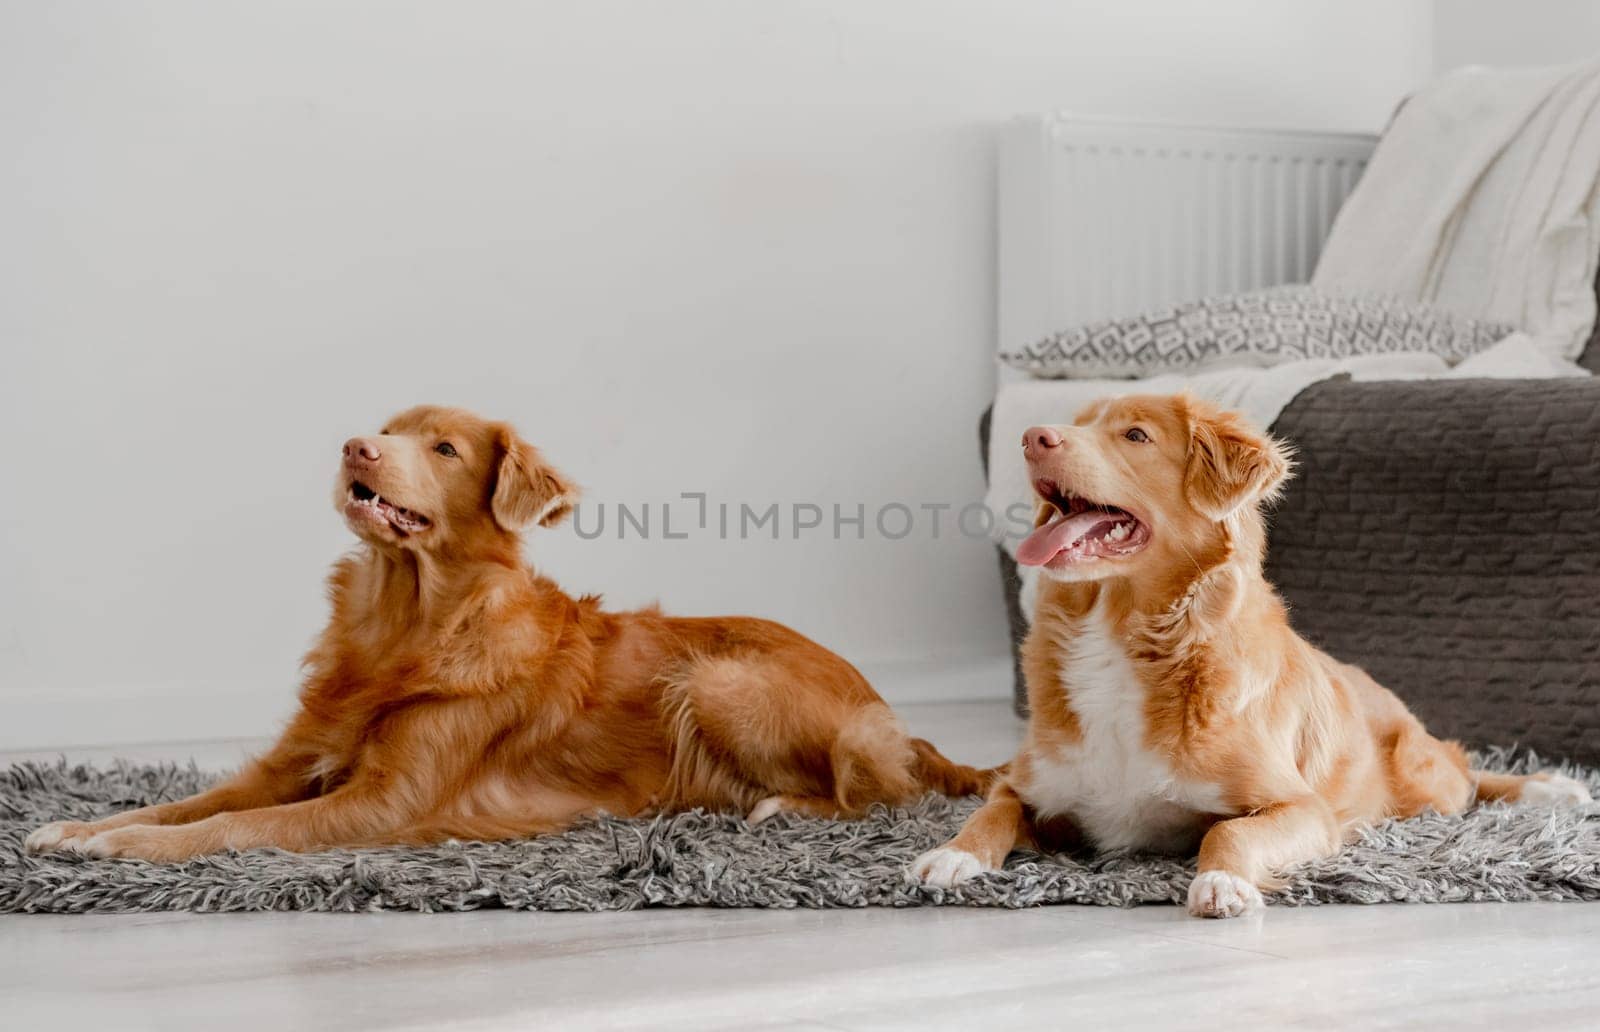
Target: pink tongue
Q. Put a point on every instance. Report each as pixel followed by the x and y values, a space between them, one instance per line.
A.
pixel 1059 535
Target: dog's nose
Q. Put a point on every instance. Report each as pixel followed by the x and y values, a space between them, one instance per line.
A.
pixel 361 448
pixel 1037 440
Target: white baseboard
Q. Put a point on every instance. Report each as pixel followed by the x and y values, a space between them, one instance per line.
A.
pixel 41 723
pixel 971 679
pixel 45 722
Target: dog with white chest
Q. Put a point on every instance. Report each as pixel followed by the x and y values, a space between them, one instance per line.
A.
pixel 1173 708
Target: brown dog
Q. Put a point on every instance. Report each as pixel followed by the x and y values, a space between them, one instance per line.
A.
pixel 456 694
pixel 1172 705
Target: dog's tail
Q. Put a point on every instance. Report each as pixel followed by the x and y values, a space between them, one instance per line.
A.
pixel 937 773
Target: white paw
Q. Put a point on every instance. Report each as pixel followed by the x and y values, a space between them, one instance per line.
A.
pixel 1556 790
pixel 768 807
pixel 56 835
pixel 945 867
pixel 98 847
pixel 1222 894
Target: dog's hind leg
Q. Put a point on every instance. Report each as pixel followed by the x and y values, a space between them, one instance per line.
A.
pixel 763 733
pixel 805 806
pixel 1427 772
pixel 871 760
pixel 874 760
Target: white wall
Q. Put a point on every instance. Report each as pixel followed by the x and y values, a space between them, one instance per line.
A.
pixel 737 247
pixel 1526 32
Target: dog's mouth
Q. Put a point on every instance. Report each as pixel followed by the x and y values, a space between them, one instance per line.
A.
pixel 363 503
pixel 1080 530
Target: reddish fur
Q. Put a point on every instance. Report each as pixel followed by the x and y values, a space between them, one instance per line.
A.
pixel 1302 747
pixel 455 693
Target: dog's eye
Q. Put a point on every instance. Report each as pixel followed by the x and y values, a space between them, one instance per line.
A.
pixel 1136 435
pixel 446 449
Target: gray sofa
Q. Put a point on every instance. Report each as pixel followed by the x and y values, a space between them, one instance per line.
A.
pixel 1445 535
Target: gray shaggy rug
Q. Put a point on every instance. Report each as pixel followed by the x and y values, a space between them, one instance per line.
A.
pixel 699 859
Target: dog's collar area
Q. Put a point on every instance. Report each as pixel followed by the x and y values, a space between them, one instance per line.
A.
pixel 368 502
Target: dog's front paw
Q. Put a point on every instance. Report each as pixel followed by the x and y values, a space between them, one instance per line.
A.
pixel 1222 894
pixel 945 867
pixel 1554 790
pixel 58 835
pixel 140 842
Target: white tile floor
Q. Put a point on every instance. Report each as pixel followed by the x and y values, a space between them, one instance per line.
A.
pixel 1516 965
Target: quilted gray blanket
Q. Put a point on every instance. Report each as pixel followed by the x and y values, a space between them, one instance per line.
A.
pixel 1446 536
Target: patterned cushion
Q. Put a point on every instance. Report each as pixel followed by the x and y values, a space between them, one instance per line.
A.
pixel 1259 328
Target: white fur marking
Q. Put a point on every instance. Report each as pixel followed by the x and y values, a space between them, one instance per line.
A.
pixel 46 838
pixel 1558 790
pixel 549 507
pixel 325 767
pixel 1222 894
pixel 99 847
pixel 1119 792
pixel 771 806
pixel 945 867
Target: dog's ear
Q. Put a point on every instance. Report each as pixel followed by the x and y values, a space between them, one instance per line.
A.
pixel 1231 464
pixel 526 490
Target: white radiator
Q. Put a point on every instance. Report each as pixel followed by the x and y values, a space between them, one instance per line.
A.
pixel 1101 220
